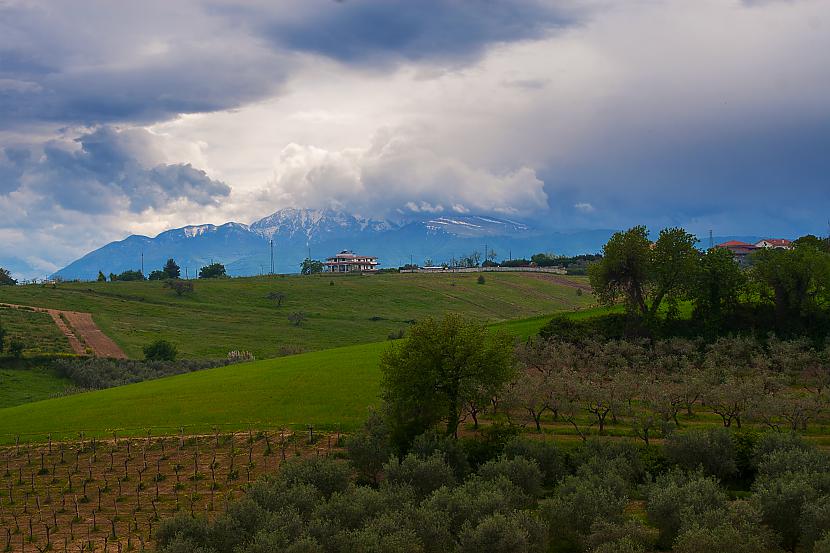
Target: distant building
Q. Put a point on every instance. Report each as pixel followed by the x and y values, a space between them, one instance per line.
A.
pixel 740 250
pixel 779 243
pixel 349 262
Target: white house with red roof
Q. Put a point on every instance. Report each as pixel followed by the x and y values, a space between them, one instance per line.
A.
pixel 349 262
pixel 779 243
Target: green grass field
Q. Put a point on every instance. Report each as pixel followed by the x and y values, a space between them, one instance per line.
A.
pixel 24 385
pixel 223 315
pixel 327 389
pixel 37 331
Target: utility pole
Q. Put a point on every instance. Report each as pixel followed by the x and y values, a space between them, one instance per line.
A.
pixel 410 261
pixel 485 254
pixel 711 240
pixel 272 256
pixel 142 263
pixel 186 276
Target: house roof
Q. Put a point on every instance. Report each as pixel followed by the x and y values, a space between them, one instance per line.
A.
pixel 777 241
pixel 735 243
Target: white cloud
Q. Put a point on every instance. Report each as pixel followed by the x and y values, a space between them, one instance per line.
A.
pixel 584 207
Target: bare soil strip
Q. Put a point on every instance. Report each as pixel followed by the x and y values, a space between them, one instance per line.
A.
pixel 82 332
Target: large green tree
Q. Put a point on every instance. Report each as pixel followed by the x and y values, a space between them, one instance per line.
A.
pixel 311 266
pixel 797 280
pixel 437 369
pixel 717 285
pixel 214 270
pixel 645 274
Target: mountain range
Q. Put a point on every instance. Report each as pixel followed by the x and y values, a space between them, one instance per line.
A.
pixel 320 233
pixel 300 233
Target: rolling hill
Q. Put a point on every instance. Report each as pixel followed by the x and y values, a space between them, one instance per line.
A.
pixel 327 389
pixel 230 314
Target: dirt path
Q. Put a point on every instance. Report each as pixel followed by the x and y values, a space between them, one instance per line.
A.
pixel 82 332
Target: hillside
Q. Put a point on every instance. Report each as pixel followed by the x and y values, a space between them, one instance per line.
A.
pixel 224 315
pixel 327 389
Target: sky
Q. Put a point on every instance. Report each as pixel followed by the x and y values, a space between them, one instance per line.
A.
pixel 121 118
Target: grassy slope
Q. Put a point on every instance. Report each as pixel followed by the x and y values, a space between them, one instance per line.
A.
pixel 235 314
pixel 37 331
pixel 18 386
pixel 324 388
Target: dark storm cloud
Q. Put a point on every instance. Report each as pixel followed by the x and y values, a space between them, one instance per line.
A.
pixel 367 30
pixel 105 174
pixel 92 63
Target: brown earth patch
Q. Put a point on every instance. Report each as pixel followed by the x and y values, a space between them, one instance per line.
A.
pixel 80 330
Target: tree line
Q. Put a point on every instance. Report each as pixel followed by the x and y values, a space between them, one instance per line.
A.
pixel 653 280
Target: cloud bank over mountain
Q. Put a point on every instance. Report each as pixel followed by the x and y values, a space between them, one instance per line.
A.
pixel 133 118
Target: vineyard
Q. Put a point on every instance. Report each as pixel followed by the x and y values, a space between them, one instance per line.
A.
pixel 109 495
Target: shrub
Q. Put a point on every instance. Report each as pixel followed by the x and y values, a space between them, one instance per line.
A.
pixel 481 279
pixel 579 503
pixel 776 441
pixel 296 318
pixel 712 449
pixel 551 461
pixel 180 287
pixel 369 448
pixel 815 522
pixel 16 348
pixel 631 536
pixel 423 475
pixel 676 496
pixel 518 532
pixel 326 475
pixel 521 472
pixel 160 350
pixel 432 441
pixel 736 529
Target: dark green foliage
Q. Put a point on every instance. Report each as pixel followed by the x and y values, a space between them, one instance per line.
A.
pixel 129 276
pixel 711 449
pixel 550 459
pixel 631 536
pixel 310 506
pixel 432 441
pixel 160 350
pixel 716 287
pixel 580 502
pixel 16 348
pixel 370 448
pixel 518 532
pixel 99 373
pixel 101 277
pixel 2 337
pixel 522 473
pixel 423 475
pixel 214 270
pixel 6 278
pixel 793 490
pixel 776 441
pixel 736 528
pixel 439 368
pixel 171 269
pixel 157 275
pixel 481 279
pixel 677 496
pixel 311 266
pixel 797 281
pixel 327 476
